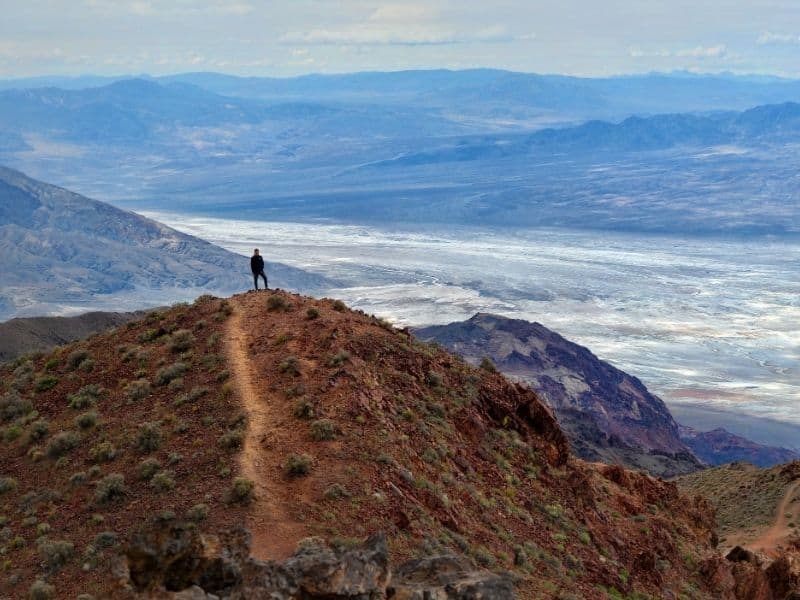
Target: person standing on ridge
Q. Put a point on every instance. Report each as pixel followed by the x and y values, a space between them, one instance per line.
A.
pixel 257 267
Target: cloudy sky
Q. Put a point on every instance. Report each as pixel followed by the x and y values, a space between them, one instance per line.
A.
pixel 264 37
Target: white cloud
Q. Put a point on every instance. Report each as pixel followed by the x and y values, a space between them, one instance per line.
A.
pixel 768 37
pixel 719 51
pixel 388 35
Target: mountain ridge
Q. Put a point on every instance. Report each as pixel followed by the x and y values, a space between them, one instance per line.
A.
pixel 608 414
pixel 64 250
pixel 146 428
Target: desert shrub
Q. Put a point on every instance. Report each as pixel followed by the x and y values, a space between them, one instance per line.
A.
pixel 212 361
pixel 239 421
pixel 137 390
pixel 174 458
pixel 39 430
pixel 213 340
pixel 433 379
pixel 339 358
pixel 45 383
pixel 176 384
pixel 87 366
pixel 290 366
pixel 103 452
pixel 167 374
pixel 312 313
pixel 295 391
pixel 336 492
pixel 51 364
pixel 105 539
pixel 55 553
pixel 181 341
pixel 339 306
pixel 483 557
pixel 151 334
pixel 12 432
pixel 87 420
pixel 297 465
pixel 199 512
pixel 241 491
pixel 303 409
pixel 41 590
pixel 163 481
pixel 231 440
pixel 282 339
pixel 488 365
pixel 7 484
pixel 277 302
pixel 200 325
pixel 149 438
pixel 12 406
pixel 222 376
pixel 323 430
pixel 109 488
pixel 148 468
pixel 195 394
pixel 62 443
pixel 78 479
pixel 85 397
pixel 225 308
pixel 75 359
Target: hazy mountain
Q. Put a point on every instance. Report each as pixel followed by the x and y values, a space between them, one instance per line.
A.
pixel 608 415
pixel 508 93
pixel 124 110
pixel 36 334
pixel 63 251
pixel 719 446
pixel 772 124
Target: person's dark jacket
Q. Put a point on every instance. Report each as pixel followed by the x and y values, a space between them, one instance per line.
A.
pixel 256 264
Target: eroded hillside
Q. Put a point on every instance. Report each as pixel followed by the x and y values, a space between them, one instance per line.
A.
pixel 298 418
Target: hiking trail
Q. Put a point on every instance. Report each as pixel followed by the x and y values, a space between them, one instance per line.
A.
pixel 274 531
pixel 774 537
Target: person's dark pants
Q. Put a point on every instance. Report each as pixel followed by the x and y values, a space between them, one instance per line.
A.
pixel 255 279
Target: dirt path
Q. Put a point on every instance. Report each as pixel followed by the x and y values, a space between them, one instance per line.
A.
pixel 274 531
pixel 773 537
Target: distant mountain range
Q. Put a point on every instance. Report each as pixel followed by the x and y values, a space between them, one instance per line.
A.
pixel 63 252
pixel 489 92
pixel 770 123
pixel 608 415
pixel 654 153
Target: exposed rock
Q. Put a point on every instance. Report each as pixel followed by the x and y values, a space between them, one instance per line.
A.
pixel 784 575
pixel 720 446
pixel 178 563
pixel 607 415
pixel 447 578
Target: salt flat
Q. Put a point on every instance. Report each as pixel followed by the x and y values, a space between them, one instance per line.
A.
pixel 703 322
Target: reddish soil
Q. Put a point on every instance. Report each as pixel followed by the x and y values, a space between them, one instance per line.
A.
pixel 774 539
pixel 275 532
pixel 397 436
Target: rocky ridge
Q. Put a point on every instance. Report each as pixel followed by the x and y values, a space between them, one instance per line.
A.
pixel 362 430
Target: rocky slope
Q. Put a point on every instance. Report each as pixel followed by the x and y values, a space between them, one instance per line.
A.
pixel 608 415
pixel 318 422
pixel 720 446
pixel 37 334
pixel 747 501
pixel 62 252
